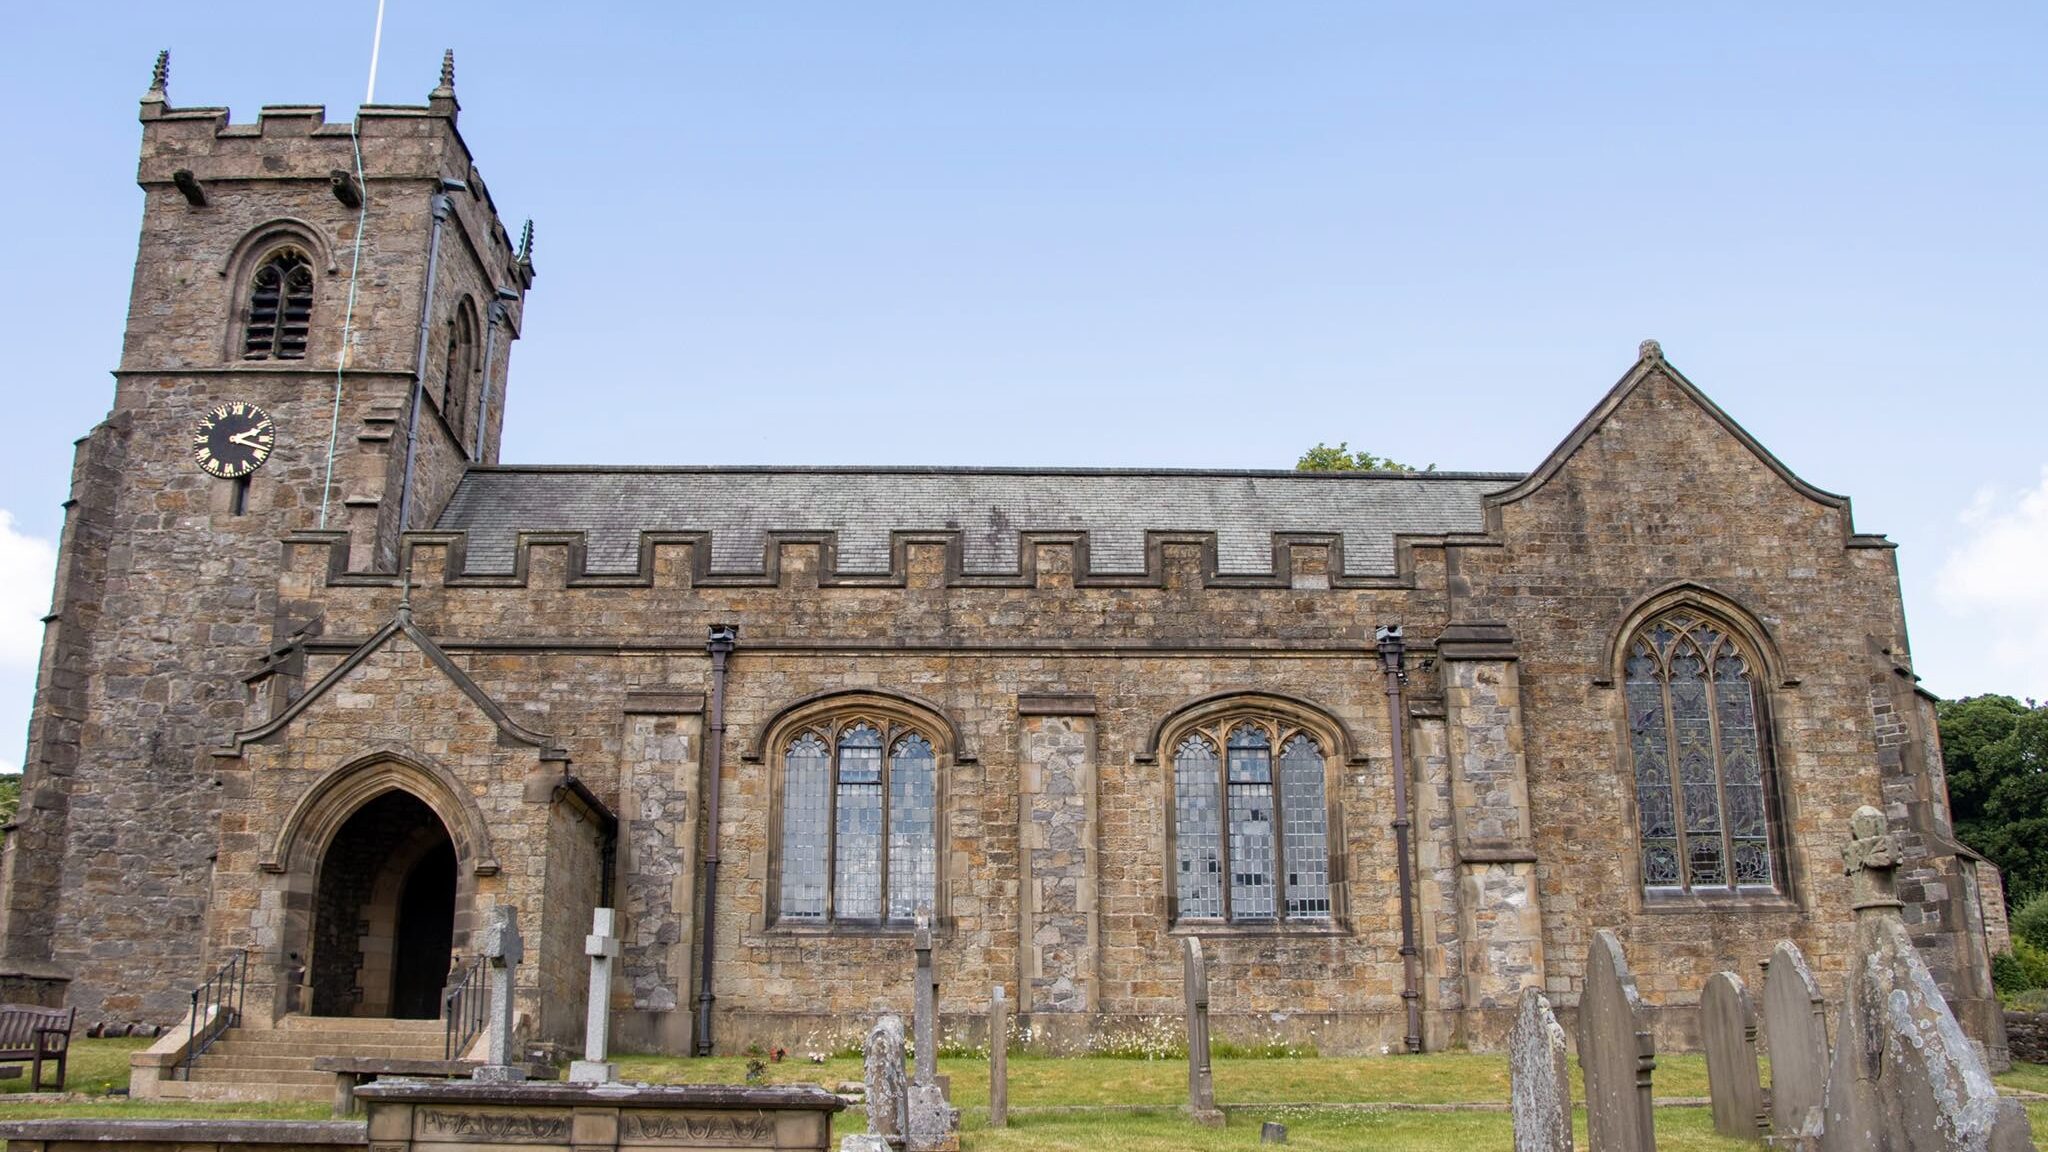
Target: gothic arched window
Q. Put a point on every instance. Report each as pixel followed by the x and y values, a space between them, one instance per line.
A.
pixel 461 366
pixel 280 307
pixel 1701 761
pixel 859 822
pixel 1251 827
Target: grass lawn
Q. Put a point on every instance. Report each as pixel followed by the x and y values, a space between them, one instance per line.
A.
pixel 1099 1103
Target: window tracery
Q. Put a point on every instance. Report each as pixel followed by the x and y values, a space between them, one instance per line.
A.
pixel 859 822
pixel 1251 831
pixel 1700 758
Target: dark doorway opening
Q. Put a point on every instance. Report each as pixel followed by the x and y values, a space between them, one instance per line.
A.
pixel 384 912
pixel 426 932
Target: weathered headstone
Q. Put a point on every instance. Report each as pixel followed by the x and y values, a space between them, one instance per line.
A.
pixel 1201 1083
pixel 1904 1077
pixel 998 1059
pixel 1728 1033
pixel 1795 1028
pixel 1616 1053
pixel 1540 1078
pixel 505 951
pixel 887 1092
pixel 931 1123
pixel 602 946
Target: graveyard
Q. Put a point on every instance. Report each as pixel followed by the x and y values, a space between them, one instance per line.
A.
pixel 1129 1102
pixel 1886 1069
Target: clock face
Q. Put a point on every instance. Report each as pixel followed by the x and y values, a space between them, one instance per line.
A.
pixel 234 440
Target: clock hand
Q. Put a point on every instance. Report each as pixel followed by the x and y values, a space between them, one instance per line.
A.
pixel 245 439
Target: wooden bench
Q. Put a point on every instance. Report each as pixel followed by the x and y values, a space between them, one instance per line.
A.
pixel 29 1032
pixel 352 1072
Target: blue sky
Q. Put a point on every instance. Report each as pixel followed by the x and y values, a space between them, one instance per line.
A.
pixel 1172 234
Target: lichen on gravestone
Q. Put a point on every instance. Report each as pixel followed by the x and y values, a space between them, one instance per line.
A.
pixel 1904 1078
pixel 1539 1076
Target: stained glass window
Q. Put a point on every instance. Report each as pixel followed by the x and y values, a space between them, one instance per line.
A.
pixel 858 824
pixel 1701 803
pixel 1235 820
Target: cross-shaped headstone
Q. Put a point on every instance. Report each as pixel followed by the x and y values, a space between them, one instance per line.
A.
pixel 504 949
pixel 602 946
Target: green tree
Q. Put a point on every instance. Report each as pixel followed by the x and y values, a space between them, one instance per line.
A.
pixel 10 796
pixel 1323 458
pixel 1995 750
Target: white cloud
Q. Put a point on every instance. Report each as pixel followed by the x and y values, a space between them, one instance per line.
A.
pixel 1997 578
pixel 27 566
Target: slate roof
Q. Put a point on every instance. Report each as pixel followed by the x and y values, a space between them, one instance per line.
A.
pixel 988 506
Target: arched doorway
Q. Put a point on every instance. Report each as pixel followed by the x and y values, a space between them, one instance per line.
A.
pixel 384 912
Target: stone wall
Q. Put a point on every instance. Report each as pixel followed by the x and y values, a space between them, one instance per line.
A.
pixel 2027 1034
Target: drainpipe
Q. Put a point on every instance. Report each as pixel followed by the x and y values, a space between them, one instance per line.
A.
pixel 500 316
pixel 1392 651
pixel 723 639
pixel 442 207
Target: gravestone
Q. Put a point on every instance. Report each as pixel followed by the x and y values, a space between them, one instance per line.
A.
pixel 1795 1028
pixel 1728 1033
pixel 998 1059
pixel 1904 1077
pixel 602 946
pixel 1539 1077
pixel 931 1123
pixel 505 951
pixel 887 1092
pixel 1616 1053
pixel 1201 1082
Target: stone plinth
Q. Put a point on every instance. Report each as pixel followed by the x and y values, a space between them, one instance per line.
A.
pixel 406 1116
pixel 186 1135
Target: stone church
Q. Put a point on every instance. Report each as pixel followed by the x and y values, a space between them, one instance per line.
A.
pixel 323 681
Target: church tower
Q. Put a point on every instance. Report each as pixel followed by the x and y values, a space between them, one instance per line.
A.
pixel 318 337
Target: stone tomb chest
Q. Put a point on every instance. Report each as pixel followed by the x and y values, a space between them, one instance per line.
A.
pixel 418 1116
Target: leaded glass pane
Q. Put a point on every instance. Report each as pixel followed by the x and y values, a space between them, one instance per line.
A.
pixel 1251 756
pixel 1742 771
pixel 1306 830
pixel 860 755
pixel 913 809
pixel 1698 775
pixel 1197 835
pixel 857 868
pixel 806 804
pixel 1649 741
pixel 1251 851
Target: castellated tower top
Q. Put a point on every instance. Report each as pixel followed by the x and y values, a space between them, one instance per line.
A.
pixel 351 279
pixel 211 181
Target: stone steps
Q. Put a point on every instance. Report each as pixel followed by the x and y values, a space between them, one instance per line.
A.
pixel 329 1046
pixel 277 1063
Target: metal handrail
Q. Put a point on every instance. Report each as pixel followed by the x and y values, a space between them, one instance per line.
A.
pixel 219 1002
pixel 465 1007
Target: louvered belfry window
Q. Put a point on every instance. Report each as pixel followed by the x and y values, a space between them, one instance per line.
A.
pixel 280 307
pixel 859 823
pixel 1251 839
pixel 1696 738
